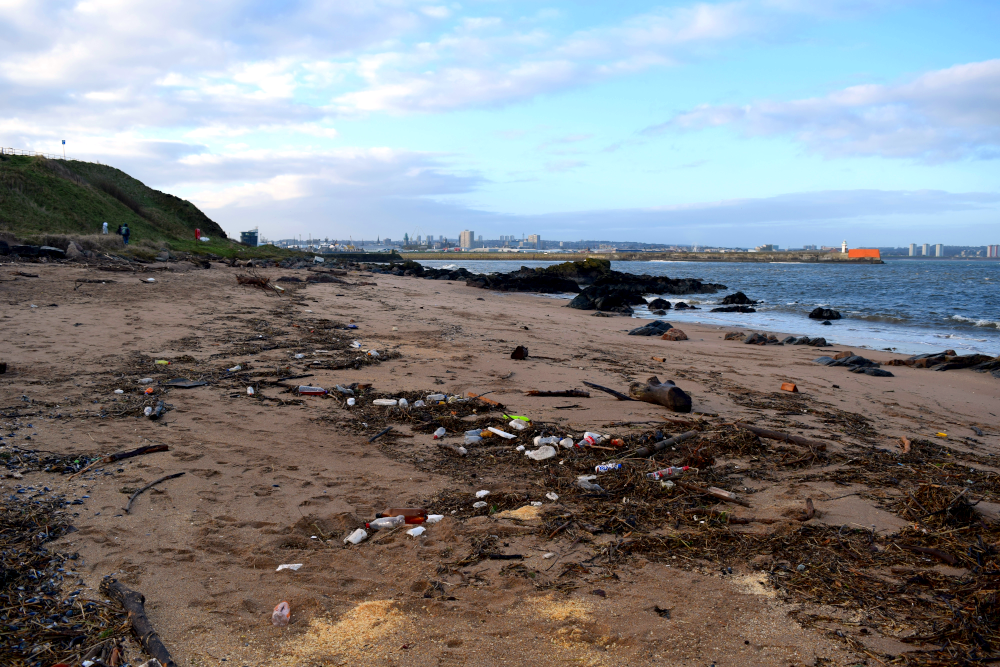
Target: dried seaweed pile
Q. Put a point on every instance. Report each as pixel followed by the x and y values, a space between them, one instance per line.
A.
pixel 40 623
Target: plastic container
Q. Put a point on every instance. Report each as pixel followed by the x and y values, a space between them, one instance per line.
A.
pixel 550 440
pixel 434 398
pixel 161 362
pixel 482 494
pixel 479 504
pixel 517 424
pixel 146 381
pixel 235 368
pixel 119 391
pixel 249 391
pixel 419 404
pixel 593 438
pixel 567 443
pixel 357 537
pixel 409 514
pixel 149 390
pixel 608 467
pixel 300 356
pixel 306 390
pixel 672 471
pixel 385 401
pixel 502 434
pixel 386 522
pixel 403 403
pixel 281 614
pixel 416 532
pixel 434 518
pixel 440 433
pixel 472 439
pixel 584 483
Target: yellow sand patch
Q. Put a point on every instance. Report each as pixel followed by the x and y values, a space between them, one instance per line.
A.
pixel 526 513
pixel 754 584
pixel 353 636
pixel 561 610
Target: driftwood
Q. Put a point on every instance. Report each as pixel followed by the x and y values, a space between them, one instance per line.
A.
pixel 147 487
pixel 120 456
pixel 564 393
pixel 455 448
pixel 718 514
pixel 663 444
pixel 259 282
pixel 784 437
pixel 714 492
pixel 666 394
pixel 617 394
pixel 135 604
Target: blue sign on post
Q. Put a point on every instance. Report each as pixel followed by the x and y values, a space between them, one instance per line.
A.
pixel 64 142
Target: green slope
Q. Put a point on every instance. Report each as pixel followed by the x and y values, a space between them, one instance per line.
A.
pixel 40 196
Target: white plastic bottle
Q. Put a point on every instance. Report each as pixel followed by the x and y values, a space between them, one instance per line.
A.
pixel 440 433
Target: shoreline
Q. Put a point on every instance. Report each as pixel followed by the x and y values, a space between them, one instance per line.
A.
pixel 276 478
pixel 797 257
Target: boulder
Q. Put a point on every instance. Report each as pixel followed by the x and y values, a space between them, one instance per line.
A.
pixel 659 304
pixel 74 252
pixel 656 328
pixel 683 306
pixel 817 342
pixel 788 340
pixel 826 361
pixel 737 299
pixel 520 353
pixel 824 314
pixel 755 339
pixel 674 334
pixel 658 313
pixel 734 309
pixel 735 335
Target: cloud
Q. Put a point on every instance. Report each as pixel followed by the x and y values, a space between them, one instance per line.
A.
pixel 942 115
pixel 558 166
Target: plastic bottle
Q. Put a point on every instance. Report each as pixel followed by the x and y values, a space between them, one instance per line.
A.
pixel 235 368
pixel 403 403
pixel 502 434
pixel 357 537
pixel 419 404
pixel 667 472
pixel 386 522
pixel 384 401
pixel 584 483
pixel 593 438
pixel 306 390
pixel 549 440
pixel 281 614
pixel 607 467
pixel 145 380
pixel 410 514
pixel 300 356
pixel 567 443
pixel 438 434
pixel 434 398
pixel 249 391
pixel 472 439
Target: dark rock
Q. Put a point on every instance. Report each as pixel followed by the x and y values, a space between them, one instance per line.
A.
pixel 773 340
pixel 738 299
pixel 756 339
pixel 827 323
pixel 683 306
pixel 878 372
pixel 826 361
pixel 658 312
pixel 817 342
pixel 824 314
pixel 520 352
pixel 288 279
pixel 656 328
pixel 734 309
pixel 788 340
pixel 659 304
pixel 735 335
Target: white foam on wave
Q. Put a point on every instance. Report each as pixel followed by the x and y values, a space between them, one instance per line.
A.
pixel 976 322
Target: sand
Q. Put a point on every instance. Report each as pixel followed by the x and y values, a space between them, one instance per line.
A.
pixel 268 482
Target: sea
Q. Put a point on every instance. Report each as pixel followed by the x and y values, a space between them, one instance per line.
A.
pixel 904 306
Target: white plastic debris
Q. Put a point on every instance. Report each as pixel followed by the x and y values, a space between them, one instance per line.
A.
pixel 235 368
pixel 536 503
pixel 552 496
pixel 419 404
pixel 351 401
pixel 373 353
pixel 385 401
pixel 439 433
pixel 416 532
pixel 147 411
pixel 567 443
pixel 249 391
pixel 356 537
pixel 150 280
pixel 482 494
pixel 300 356
pixel 479 504
pixel 548 555
pixel 502 434
pixel 403 403
pixel 356 344
pixel 289 566
pixel 435 397
pixel 145 380
pixel 541 453
pixel 518 424
pixel 119 391
pixel 519 448
pixel 433 518
pixel 583 481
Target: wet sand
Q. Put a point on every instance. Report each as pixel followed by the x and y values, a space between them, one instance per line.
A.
pixel 270 480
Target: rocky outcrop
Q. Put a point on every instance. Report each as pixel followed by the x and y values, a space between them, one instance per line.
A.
pixel 824 314
pixel 734 309
pixel 655 328
pixel 738 299
pixel 855 364
pixel 659 304
pixel 674 334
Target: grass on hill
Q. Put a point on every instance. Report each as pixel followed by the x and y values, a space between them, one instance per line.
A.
pixel 53 202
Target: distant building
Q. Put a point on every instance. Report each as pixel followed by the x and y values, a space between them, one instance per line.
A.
pixel 843 247
pixel 808 247
pixel 249 238
pixel 926 250
pixel 536 241
pixel 993 251
pixel 767 247
pixel 913 250
pixel 466 239
pixel 939 250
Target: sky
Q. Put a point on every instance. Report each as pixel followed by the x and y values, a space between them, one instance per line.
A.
pixel 732 123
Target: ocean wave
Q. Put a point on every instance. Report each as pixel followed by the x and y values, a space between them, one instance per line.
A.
pixel 889 319
pixel 976 322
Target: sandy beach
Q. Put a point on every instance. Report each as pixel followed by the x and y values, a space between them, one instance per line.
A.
pixel 277 478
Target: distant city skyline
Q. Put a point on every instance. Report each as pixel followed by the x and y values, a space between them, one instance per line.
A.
pixel 681 121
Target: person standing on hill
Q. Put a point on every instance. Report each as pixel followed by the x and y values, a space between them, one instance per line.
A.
pixel 104 228
pixel 125 233
pixel 119 230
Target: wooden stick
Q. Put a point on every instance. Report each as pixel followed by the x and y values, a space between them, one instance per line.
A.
pixel 564 393
pixel 455 448
pixel 663 444
pixel 120 456
pixel 784 437
pixel 379 434
pixel 135 604
pixel 149 486
pixel 714 492
pixel 617 394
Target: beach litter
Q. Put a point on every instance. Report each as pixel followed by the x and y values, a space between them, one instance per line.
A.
pixel 282 612
pixel 294 567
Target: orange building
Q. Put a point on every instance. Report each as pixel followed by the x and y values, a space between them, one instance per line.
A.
pixel 872 253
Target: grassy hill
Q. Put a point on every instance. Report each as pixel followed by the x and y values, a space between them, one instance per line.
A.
pixel 41 197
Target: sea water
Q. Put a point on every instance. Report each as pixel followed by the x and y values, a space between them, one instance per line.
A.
pixel 907 306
